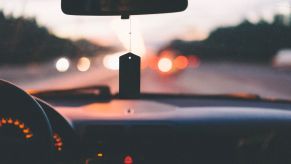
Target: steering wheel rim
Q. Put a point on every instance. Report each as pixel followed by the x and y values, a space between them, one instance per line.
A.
pixel 17 104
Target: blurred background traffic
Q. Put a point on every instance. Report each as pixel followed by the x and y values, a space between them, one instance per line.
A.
pixel 215 47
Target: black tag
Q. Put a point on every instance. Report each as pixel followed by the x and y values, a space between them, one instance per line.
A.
pixel 129 76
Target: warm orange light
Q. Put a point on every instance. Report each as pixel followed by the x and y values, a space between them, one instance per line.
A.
pixel 21 126
pixel 153 62
pixel 181 62
pixel 10 121
pixel 3 121
pixel 28 136
pixel 144 64
pixel 165 65
pixel 26 131
pixel 16 123
pixel 167 53
pixel 243 95
pixel 31 91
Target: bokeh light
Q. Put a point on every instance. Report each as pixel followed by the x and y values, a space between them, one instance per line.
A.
pixel 181 62
pixel 112 61
pixel 165 65
pixel 194 61
pixel 83 64
pixel 62 64
pixel 153 62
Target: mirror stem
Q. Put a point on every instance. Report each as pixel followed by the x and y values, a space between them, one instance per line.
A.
pixel 125 16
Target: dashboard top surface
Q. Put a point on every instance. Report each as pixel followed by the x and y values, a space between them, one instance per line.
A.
pixel 146 110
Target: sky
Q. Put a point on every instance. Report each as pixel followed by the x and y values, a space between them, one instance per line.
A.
pixel 201 17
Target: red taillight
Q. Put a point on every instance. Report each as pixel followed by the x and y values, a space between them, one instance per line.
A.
pixel 128 160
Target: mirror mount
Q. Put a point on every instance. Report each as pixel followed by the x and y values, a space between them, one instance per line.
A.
pixel 125 16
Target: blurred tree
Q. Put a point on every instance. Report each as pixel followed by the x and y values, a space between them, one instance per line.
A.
pixel 279 20
pixel 246 42
pixel 23 41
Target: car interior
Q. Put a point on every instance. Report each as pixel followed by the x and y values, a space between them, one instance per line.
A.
pixel 93 125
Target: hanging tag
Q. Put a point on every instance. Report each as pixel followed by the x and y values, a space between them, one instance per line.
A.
pixel 129 76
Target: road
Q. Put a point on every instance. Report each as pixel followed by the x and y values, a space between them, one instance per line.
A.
pixel 209 78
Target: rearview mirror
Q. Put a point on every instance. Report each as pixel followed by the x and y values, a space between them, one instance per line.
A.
pixel 122 7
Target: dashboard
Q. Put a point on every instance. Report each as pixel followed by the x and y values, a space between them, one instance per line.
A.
pixel 152 130
pixel 172 131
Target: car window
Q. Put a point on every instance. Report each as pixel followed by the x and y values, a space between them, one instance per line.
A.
pixel 214 47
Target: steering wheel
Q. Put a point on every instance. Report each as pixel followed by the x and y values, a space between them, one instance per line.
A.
pixel 25 131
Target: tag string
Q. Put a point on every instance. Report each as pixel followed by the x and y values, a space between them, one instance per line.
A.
pixel 130 34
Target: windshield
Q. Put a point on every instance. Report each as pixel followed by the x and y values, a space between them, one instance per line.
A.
pixel 214 47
